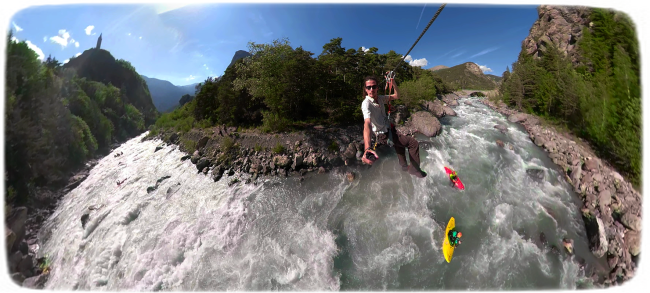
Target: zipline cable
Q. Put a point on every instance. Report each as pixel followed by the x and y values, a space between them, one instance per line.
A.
pixel 422 34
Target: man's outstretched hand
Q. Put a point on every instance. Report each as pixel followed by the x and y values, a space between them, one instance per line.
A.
pixel 369 157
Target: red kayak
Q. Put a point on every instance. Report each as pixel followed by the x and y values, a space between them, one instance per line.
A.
pixel 457 182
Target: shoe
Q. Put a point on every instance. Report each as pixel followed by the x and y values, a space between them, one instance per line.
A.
pixel 417 172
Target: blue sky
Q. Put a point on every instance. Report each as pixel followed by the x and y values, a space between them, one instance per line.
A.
pixel 186 44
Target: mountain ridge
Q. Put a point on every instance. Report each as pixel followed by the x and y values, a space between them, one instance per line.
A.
pixel 467 75
pixel 165 94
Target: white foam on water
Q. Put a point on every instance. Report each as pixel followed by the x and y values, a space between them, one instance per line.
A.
pixel 159 240
pixel 195 234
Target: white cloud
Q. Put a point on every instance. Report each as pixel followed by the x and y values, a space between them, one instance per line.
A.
pixel 14 39
pixel 66 61
pixel 140 37
pixel 62 38
pixel 485 68
pixel 416 62
pixel 190 77
pixel 16 27
pixel 89 29
pixel 44 39
pixel 364 49
pixel 484 52
pixel 76 44
pixel 77 55
pixel 36 49
pixel 129 34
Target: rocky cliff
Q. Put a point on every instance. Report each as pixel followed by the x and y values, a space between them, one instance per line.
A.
pixel 558 25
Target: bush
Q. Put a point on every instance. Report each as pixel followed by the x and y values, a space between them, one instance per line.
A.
pixel 227 144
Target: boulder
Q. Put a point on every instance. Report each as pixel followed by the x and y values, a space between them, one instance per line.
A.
pixel 450 99
pixel 436 108
pixel 591 165
pixel 612 261
pixel 633 241
pixel 631 221
pixel 426 123
pixel 16 222
pixel 595 233
pixel 604 198
pixel 298 160
pixel 202 142
pixel 501 128
pixel 515 118
pixel 281 161
pixel 202 163
pixel 174 137
pixel 10 238
pixel 36 282
pixel 576 173
pixel 536 174
pixel 350 152
pixel 449 111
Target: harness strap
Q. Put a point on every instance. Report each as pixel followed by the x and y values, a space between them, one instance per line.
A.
pixel 389 85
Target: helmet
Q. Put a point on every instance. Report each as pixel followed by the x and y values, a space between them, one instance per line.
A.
pixel 460 234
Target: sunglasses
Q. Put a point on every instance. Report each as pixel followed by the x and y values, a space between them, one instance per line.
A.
pixel 371 87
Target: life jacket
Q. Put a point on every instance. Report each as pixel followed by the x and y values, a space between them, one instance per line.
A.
pixel 453 239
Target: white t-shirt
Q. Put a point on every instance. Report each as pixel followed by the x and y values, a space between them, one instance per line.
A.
pixel 375 111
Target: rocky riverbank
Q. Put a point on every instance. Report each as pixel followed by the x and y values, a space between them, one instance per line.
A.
pixel 611 207
pixel 22 226
pixel 245 156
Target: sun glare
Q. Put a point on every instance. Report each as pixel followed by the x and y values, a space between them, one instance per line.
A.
pixel 165 7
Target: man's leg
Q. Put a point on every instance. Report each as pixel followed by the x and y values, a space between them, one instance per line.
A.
pixel 414 154
pixel 400 150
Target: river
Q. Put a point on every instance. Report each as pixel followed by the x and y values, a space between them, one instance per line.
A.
pixel 383 231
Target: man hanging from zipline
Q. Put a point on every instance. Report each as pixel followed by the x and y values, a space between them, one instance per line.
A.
pixel 375 118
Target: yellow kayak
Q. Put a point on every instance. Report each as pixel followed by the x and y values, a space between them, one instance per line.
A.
pixel 447 249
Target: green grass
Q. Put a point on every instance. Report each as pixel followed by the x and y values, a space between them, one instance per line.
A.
pixel 189 145
pixel 278 148
pixel 227 144
pixel 333 147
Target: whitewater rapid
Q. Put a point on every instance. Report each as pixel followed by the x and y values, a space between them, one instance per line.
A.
pixel 383 231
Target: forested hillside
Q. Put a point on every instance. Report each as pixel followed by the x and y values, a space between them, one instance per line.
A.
pixel 598 96
pixel 55 120
pixel 280 87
